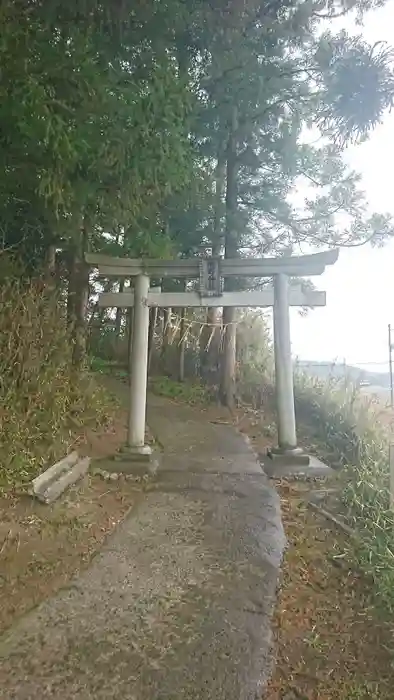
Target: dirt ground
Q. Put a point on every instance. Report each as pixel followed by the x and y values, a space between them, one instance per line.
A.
pixel 42 547
pixel 331 643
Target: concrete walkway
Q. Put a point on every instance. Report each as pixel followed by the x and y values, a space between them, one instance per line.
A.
pixel 178 603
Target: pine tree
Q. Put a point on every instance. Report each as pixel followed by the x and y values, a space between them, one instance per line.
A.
pixel 281 78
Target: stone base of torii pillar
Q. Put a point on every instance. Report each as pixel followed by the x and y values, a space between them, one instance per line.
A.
pixel 287 467
pixel 297 464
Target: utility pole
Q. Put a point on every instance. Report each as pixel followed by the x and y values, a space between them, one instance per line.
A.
pixel 391 366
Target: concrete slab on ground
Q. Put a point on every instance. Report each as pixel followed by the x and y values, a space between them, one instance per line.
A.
pixel 139 469
pixel 178 604
pixel 276 469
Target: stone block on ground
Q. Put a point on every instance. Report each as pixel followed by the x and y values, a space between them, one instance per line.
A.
pixel 49 485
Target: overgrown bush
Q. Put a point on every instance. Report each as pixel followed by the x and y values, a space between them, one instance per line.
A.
pixel 104 343
pixel 254 357
pixel 43 404
pixel 332 414
pixel 356 432
pixel 192 393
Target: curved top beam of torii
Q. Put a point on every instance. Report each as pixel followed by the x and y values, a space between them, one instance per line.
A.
pixel 299 266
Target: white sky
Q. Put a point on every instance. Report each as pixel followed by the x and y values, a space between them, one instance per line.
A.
pixel 360 287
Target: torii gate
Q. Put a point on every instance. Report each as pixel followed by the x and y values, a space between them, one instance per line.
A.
pixel 210 272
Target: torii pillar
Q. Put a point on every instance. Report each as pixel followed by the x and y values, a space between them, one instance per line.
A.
pixel 139 377
pixel 136 455
pixel 287 459
pixel 284 382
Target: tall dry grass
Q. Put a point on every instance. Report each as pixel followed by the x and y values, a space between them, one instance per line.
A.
pixel 43 404
pixel 355 430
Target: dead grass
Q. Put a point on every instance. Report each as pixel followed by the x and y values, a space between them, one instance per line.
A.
pixel 330 643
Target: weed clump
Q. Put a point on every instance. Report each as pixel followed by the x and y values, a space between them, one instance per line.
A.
pixel 195 393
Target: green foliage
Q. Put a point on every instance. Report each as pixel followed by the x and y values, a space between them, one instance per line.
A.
pixel 43 408
pixel 91 126
pixel 102 345
pixel 187 392
pixel 116 114
pixel 102 366
pixel 286 79
pixel 350 113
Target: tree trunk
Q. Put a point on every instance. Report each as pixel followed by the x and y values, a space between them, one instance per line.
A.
pixel 182 346
pixel 119 311
pixel 129 330
pixel 119 315
pixel 100 312
pixel 151 335
pixel 228 359
pixel 50 268
pixel 166 339
pixel 71 289
pixel 80 297
pixel 209 345
pixel 129 326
